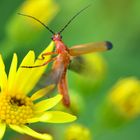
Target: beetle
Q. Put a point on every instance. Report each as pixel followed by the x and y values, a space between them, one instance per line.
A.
pixel 64 56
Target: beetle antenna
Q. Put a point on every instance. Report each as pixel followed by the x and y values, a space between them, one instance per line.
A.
pixel 74 18
pixel 38 21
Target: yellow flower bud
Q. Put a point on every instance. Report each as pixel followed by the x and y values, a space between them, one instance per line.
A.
pixel 91 69
pixel 96 66
pixel 125 97
pixel 23 29
pixel 77 132
pixel 43 10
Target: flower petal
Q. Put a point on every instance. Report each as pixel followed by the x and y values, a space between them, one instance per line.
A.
pixel 53 117
pixel 33 120
pixel 23 74
pixel 57 117
pixel 41 92
pixel 47 104
pixel 2 130
pixel 36 73
pixel 12 72
pixel 26 130
pixel 3 75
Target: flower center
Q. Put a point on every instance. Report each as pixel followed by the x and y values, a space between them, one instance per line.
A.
pixel 15 109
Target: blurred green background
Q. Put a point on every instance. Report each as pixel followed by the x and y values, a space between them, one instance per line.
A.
pixel 113 20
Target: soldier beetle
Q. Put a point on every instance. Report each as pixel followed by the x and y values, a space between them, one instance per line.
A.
pixel 64 55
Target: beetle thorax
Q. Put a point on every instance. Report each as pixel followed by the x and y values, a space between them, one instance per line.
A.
pixel 57 37
pixel 60 46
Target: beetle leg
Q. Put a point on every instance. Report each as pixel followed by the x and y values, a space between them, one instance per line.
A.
pixel 44 54
pixel 45 63
pixel 63 89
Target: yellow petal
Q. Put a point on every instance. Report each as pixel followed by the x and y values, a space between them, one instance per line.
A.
pixel 3 75
pixel 2 130
pixel 26 130
pixel 23 74
pixel 33 120
pixel 36 73
pixel 47 104
pixel 53 117
pixel 57 117
pixel 41 92
pixel 12 72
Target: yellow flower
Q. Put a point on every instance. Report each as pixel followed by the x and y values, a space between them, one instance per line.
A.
pixel 125 97
pixel 96 66
pixel 92 70
pixel 17 108
pixel 19 29
pixel 44 10
pixel 77 132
